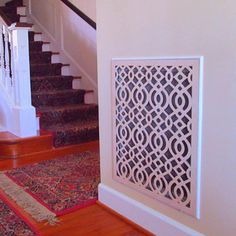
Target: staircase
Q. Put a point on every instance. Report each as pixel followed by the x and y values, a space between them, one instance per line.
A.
pixel 61 109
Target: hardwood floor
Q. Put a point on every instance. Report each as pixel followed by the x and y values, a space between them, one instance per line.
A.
pixel 93 220
pixel 47 155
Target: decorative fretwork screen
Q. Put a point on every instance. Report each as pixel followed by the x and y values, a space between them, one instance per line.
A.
pixel 156 129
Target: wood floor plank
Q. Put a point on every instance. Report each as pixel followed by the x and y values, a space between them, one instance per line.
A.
pixel 48 154
pixel 94 220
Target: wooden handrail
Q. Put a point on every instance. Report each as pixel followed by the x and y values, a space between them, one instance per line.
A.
pixel 80 13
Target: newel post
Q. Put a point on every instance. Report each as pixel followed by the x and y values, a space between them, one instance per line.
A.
pixel 23 109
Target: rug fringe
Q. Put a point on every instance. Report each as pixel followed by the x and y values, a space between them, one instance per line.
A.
pixel 27 202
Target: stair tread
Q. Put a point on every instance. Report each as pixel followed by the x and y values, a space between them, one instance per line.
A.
pixel 36 52
pixel 38 57
pixel 34 32
pixel 9 8
pixel 46 64
pixel 74 126
pixel 14 3
pixel 59 114
pixel 36 42
pixel 46 69
pixel 66 107
pixel 58 92
pixel 39 42
pixel 53 77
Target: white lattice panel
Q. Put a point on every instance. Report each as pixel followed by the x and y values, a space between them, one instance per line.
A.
pixel 156 129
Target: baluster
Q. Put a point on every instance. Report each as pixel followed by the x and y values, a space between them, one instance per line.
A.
pixel 12 68
pixel 7 61
pixel 2 78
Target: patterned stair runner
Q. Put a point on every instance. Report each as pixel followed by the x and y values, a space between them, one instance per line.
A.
pixel 61 108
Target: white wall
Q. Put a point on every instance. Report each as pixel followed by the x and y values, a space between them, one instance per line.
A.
pixel 71 36
pixel 86 6
pixel 159 28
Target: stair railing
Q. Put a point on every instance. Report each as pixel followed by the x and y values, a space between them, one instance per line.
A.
pixel 15 78
pixel 6 67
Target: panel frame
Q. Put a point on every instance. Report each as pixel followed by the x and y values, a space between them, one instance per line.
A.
pixel 197 109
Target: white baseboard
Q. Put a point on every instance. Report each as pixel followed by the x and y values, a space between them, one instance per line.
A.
pixel 142 215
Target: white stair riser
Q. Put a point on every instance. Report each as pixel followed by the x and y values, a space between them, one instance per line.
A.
pixel 76 84
pixel 38 37
pixel 65 70
pixel 21 11
pixel 46 47
pixel 89 98
pixel 23 19
pixel 55 59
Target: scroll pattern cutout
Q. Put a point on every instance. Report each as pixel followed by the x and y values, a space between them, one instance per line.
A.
pixel 153 130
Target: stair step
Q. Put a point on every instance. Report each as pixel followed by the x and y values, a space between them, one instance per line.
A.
pixel 10 10
pixel 14 3
pixel 55 57
pixel 38 46
pixel 65 70
pixel 12 146
pixel 46 46
pixel 50 83
pixel 68 113
pixel 33 35
pixel 40 57
pixel 57 98
pixel 23 19
pixel 35 46
pixel 45 69
pixel 74 132
pixel 9 17
pixel 21 10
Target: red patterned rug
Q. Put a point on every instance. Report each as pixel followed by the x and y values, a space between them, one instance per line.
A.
pixel 12 222
pixel 54 187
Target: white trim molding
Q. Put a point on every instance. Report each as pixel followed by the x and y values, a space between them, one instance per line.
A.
pixel 152 220
pixel 156 117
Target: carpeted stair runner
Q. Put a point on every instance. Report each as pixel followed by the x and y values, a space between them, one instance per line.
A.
pixel 9 15
pixel 14 3
pixel 61 108
pixel 50 83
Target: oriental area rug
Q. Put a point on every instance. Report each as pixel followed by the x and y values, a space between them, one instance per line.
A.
pixel 55 187
pixel 12 222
